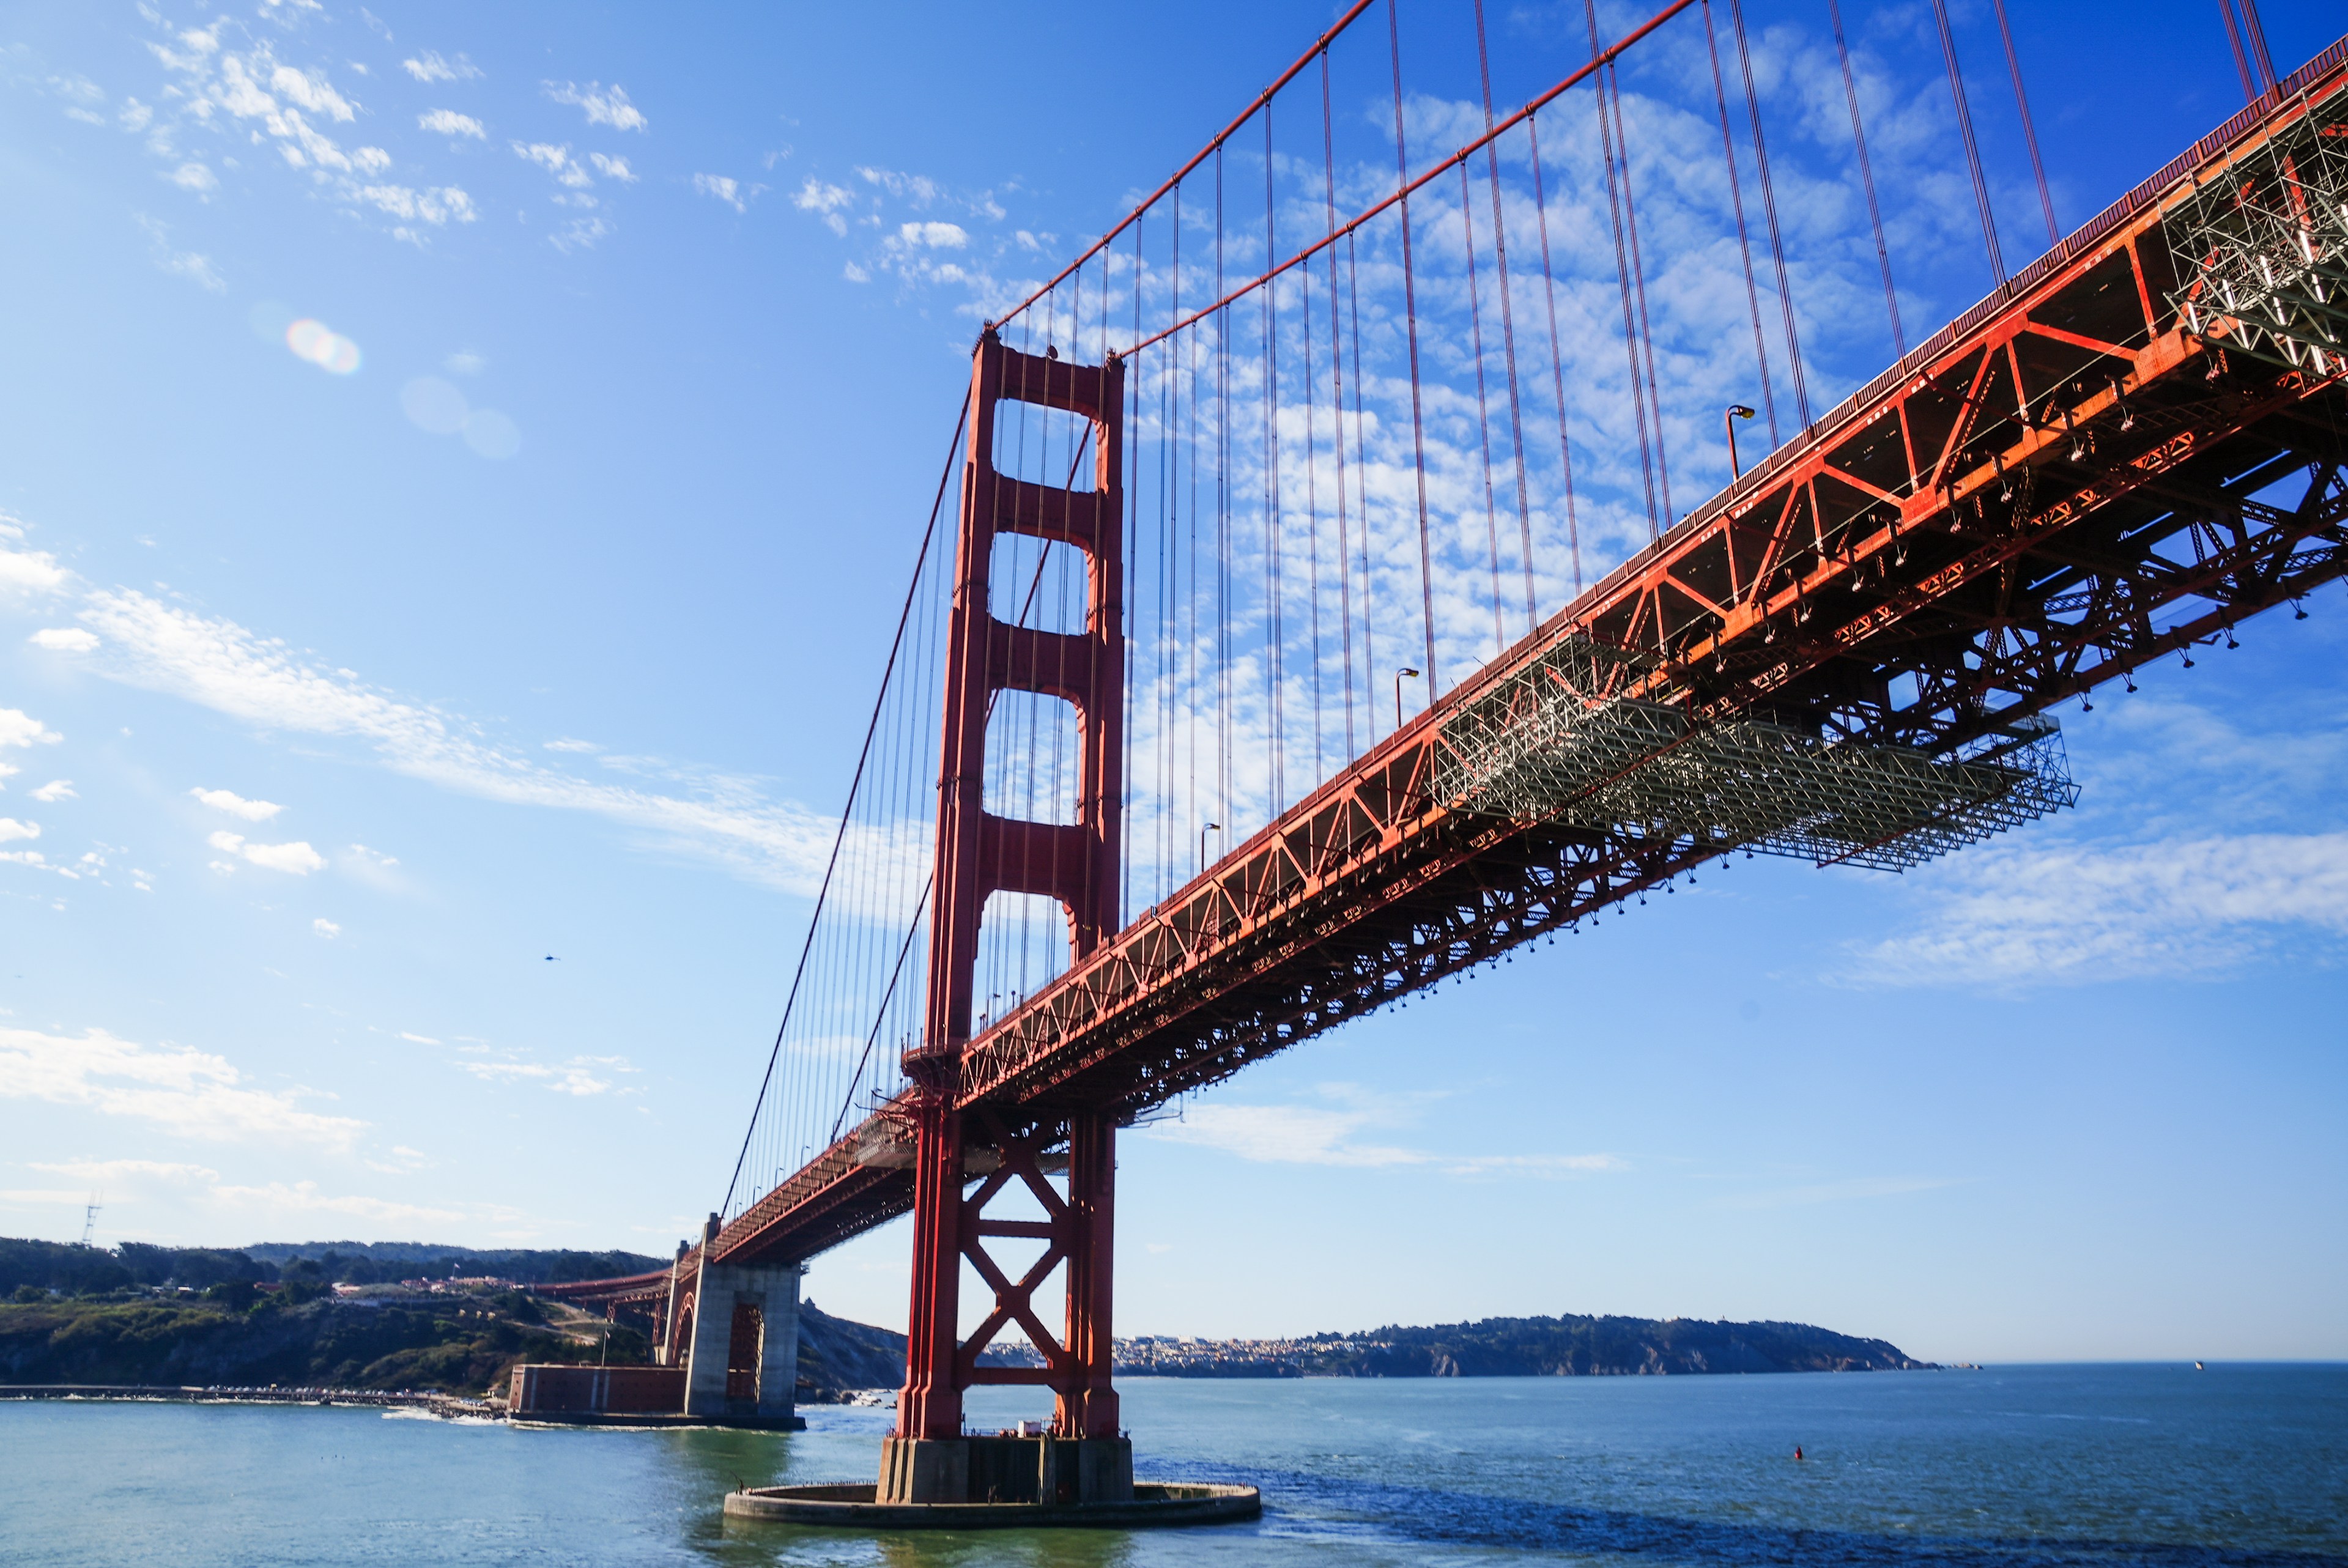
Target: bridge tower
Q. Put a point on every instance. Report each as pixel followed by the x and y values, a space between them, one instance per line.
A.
pixel 929 1459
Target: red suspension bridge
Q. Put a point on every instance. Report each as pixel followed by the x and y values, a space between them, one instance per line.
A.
pixel 1131 815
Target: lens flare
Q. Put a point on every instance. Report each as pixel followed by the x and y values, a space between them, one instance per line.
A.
pixel 432 405
pixel 323 346
pixel 492 434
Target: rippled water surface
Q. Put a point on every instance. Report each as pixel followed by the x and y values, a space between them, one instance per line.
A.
pixel 2056 1465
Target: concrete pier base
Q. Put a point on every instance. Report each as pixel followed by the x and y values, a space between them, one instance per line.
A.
pixel 997 1470
pixel 741 1360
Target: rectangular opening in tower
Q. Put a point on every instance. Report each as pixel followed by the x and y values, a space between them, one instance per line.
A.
pixel 1037 583
pixel 1050 447
pixel 1034 758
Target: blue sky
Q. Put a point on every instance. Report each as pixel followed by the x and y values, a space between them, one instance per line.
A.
pixel 534 605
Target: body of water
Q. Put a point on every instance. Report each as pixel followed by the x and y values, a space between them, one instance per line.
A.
pixel 1997 1469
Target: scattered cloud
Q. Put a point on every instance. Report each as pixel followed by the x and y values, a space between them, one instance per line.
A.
pixel 236 805
pixel 556 161
pixel 27 572
pixel 826 201
pixel 191 265
pixel 1327 1134
pixel 18 727
pixel 55 790
pixel 12 829
pixel 187 1092
pixel 296 859
pixel 122 1172
pixel 222 665
pixel 2071 914
pixel 465 362
pixel 935 235
pixel 64 639
pixel 419 1039
pixel 428 67
pixel 723 189
pixel 325 928
pixel 609 108
pixel 448 122
pixel 612 168
pixel 194 177
pixel 304 1198
pixel 570 745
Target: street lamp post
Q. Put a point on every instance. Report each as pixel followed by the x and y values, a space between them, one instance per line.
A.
pixel 1405 670
pixel 1734 412
pixel 1210 827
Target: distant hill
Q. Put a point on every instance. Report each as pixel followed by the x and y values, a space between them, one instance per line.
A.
pixel 78 1270
pixel 1566 1346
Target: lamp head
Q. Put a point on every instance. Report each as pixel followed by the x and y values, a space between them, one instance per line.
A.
pixel 1739 411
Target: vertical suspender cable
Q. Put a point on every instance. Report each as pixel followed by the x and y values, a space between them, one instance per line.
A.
pixel 840 836
pixel 1311 504
pixel 1483 416
pixel 2029 130
pixel 1274 639
pixel 1507 332
pixel 2250 87
pixel 1556 356
pixel 1410 317
pixel 2257 34
pixel 1222 523
pixel 1337 406
pixel 1866 179
pixel 1623 274
pixel 1769 208
pixel 1744 239
pixel 1965 134
pixel 1639 290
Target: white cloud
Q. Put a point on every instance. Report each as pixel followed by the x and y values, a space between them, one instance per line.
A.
pixel 9 770
pixel 569 745
pixel 612 168
pixel 125 1172
pixel 325 928
pixel 440 205
pixel 30 572
pixel 936 236
pixel 225 667
pixel 296 859
pixel 64 639
pixel 12 829
pixel 194 177
pixel 18 727
pixel 428 67
pixel 236 805
pixel 465 363
pixel 725 190
pixel 196 268
pixel 2073 914
pixel 312 92
pixel 556 161
pixel 55 790
pixel 611 108
pixel 826 202
pixel 1327 1135
pixel 419 1039
pixel 448 122
pixel 191 1093
pixel 302 1198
